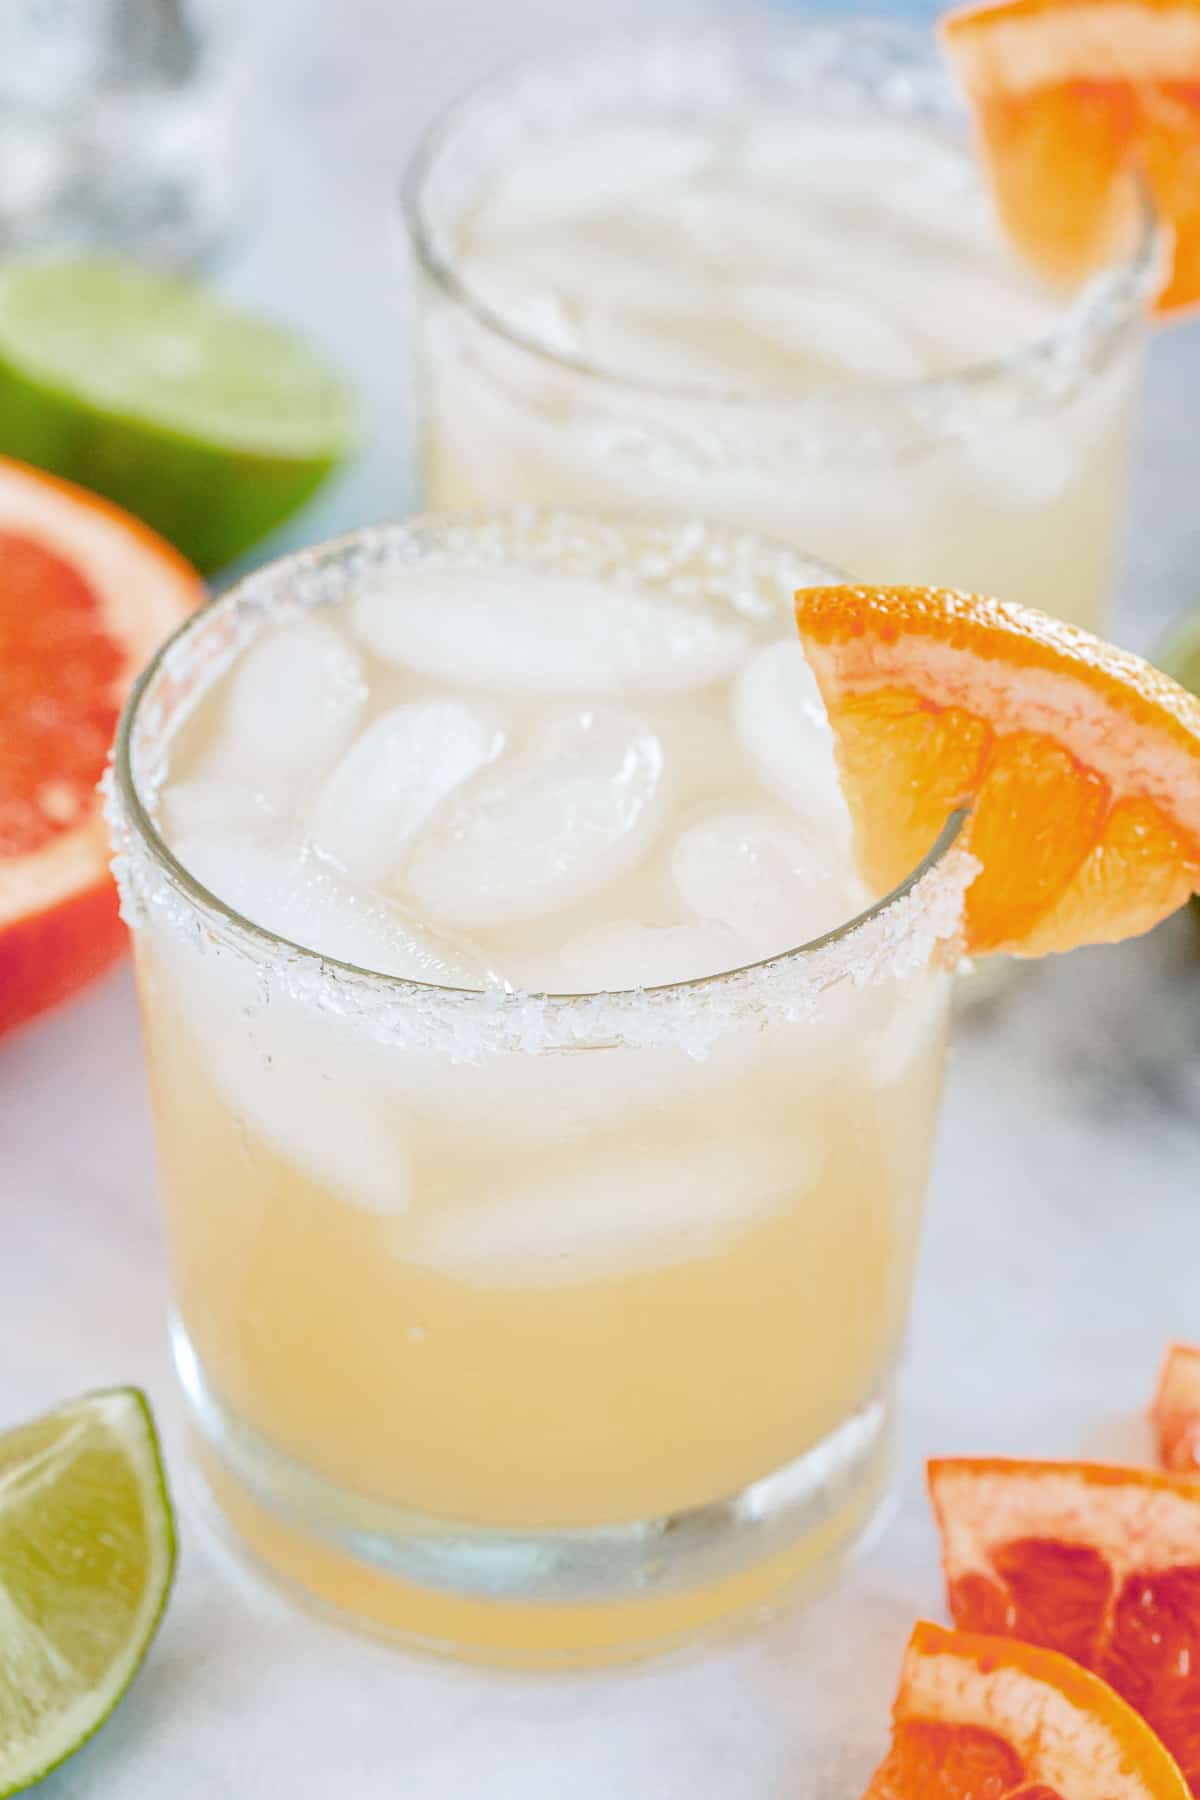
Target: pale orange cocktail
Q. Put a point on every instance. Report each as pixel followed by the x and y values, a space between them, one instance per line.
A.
pixel 544 1104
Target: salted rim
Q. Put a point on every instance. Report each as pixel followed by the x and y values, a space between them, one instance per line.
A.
pixel 1099 311
pixel 896 935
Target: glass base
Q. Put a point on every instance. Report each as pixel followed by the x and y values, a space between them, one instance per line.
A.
pixel 565 1598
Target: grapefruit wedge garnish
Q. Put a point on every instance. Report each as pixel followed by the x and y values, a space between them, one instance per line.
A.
pixel 980 1718
pixel 1072 99
pixel 86 595
pixel 1175 1413
pixel 1080 763
pixel 1099 1563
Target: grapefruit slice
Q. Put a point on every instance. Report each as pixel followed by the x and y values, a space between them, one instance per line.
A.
pixel 1071 97
pixel 1101 1564
pixel 1175 1413
pixel 1080 762
pixel 86 595
pixel 980 1718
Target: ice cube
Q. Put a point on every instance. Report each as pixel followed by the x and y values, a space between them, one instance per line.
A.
pixel 972 310
pixel 765 233
pixel 900 185
pixel 617 1216
pixel 355 1145
pixel 547 190
pixel 561 1096
pixel 773 881
pixel 912 1025
pixel 525 297
pixel 781 725
pixel 628 955
pixel 293 701
pixel 704 354
pixel 522 631
pixel 211 805
pixel 837 333
pixel 293 1078
pixel 576 279
pixel 541 830
pixel 391 779
pixel 297 897
pixel 307 1083
pixel 714 352
pixel 850 159
pixel 1010 475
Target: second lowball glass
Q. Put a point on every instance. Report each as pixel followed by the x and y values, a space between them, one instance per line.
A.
pixel 756 277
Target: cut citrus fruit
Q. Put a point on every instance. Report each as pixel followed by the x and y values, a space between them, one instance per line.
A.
pixel 1071 97
pixel 1102 1564
pixel 211 425
pixel 1175 1413
pixel 1080 762
pixel 87 1551
pixel 981 1718
pixel 86 595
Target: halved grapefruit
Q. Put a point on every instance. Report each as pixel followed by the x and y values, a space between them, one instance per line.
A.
pixel 1080 763
pixel 86 595
pixel 1072 99
pixel 981 1718
pixel 1101 1564
pixel 1175 1413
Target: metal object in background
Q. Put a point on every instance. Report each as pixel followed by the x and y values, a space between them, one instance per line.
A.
pixel 116 125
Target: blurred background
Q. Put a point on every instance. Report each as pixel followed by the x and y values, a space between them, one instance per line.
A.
pixel 258 143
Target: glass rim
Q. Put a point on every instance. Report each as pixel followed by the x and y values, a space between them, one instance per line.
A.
pixel 134 814
pixel 1110 299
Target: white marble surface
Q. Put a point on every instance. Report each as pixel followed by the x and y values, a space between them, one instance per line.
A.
pixel 1063 1243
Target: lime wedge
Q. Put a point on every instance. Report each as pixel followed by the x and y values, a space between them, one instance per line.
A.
pixel 87 1551
pixel 1179 654
pixel 210 425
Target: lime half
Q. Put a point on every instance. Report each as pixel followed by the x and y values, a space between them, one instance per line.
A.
pixel 87 1551
pixel 209 424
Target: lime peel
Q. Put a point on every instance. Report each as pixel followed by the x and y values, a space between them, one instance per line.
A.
pixel 87 1555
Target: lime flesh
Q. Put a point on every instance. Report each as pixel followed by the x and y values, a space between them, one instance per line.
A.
pixel 87 1552
pixel 211 425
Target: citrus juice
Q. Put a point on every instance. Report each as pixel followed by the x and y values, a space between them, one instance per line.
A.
pixel 578 1201
pixel 758 278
